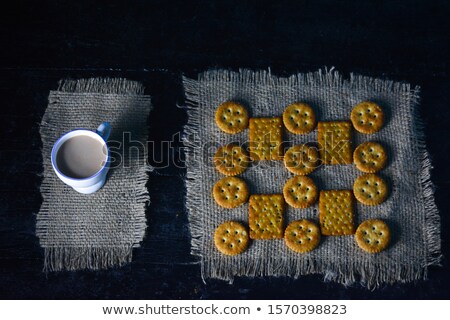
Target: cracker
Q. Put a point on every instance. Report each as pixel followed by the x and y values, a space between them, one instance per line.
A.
pixel 336 212
pixel 335 142
pixel 232 117
pixel 265 139
pixel 230 192
pixel 367 117
pixel 266 216
pixel 301 159
pixel 302 236
pixel 370 157
pixel 373 235
pixel 231 238
pixel 370 189
pixel 299 118
pixel 300 192
pixel 231 160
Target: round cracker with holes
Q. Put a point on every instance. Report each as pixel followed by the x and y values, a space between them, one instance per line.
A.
pixel 373 235
pixel 299 118
pixel 230 192
pixel 367 117
pixel 231 160
pixel 370 189
pixel 300 192
pixel 370 157
pixel 302 236
pixel 231 238
pixel 301 159
pixel 232 117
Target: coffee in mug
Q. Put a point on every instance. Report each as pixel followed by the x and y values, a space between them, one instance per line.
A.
pixel 81 157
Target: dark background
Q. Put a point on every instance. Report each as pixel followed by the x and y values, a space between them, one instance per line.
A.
pixel 157 41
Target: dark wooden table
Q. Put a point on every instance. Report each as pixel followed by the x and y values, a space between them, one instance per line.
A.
pixel 157 41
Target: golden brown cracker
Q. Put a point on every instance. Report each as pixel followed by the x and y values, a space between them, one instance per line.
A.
pixel 300 192
pixel 301 159
pixel 266 216
pixel 299 118
pixel 335 142
pixel 336 212
pixel 230 192
pixel 302 236
pixel 367 117
pixel 370 157
pixel 373 235
pixel 231 160
pixel 232 117
pixel 370 189
pixel 265 139
pixel 231 238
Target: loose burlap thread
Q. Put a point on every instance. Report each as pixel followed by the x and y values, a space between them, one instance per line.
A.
pixel 410 210
pixel 99 230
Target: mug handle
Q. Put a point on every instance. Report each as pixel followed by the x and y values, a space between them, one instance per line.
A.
pixel 104 130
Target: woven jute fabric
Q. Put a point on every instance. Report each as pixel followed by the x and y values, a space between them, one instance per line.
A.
pixel 99 230
pixel 410 210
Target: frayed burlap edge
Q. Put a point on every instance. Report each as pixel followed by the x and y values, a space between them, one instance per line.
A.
pixel 101 85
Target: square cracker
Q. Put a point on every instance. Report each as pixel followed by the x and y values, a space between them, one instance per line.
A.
pixel 265 138
pixel 336 212
pixel 266 216
pixel 335 142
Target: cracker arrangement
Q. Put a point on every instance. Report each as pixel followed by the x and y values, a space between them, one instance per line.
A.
pixel 336 207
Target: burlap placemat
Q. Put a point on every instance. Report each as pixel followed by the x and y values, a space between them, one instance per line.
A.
pixel 98 230
pixel 410 210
